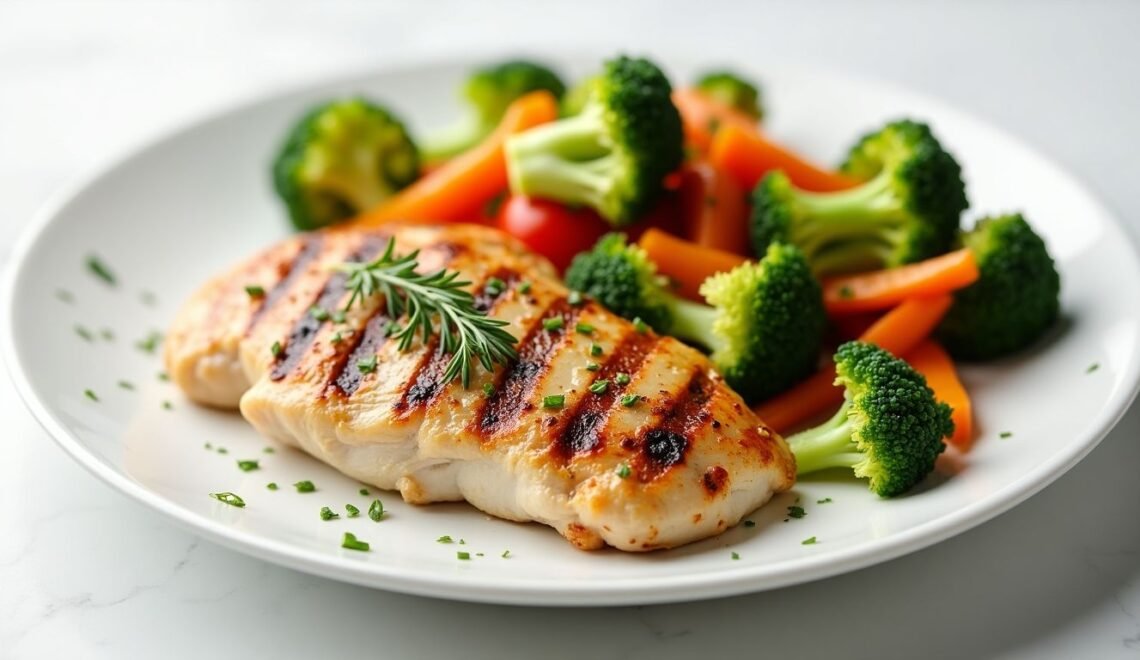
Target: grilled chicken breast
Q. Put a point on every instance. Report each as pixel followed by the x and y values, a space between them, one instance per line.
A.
pixel 683 461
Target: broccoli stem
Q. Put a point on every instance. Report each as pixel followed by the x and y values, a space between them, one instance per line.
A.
pixel 871 212
pixel 693 322
pixel 566 160
pixel 828 445
pixel 453 139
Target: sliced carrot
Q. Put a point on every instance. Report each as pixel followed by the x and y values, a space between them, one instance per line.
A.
pixel 688 264
pixel 882 289
pixel 702 117
pixel 898 331
pixel 932 361
pixel 748 156
pixel 715 212
pixel 458 189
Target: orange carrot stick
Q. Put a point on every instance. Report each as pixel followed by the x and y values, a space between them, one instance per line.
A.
pixel 702 117
pixel 458 189
pixel 898 331
pixel 882 289
pixel 715 213
pixel 748 156
pixel 932 361
pixel 688 264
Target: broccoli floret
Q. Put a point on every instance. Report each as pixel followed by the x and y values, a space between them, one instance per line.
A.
pixel 1016 298
pixel 763 324
pixel 906 210
pixel 577 96
pixel 732 90
pixel 342 158
pixel 614 154
pixel 488 92
pixel 889 429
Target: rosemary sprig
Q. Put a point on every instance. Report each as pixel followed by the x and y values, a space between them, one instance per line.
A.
pixel 464 331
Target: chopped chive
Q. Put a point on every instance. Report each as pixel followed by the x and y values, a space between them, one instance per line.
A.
pixel 229 498
pixel 640 325
pixel 63 295
pixel 478 554
pixel 1005 434
pixel 107 334
pixel 254 291
pixel 336 338
pixel 352 510
pixel 463 555
pixel 488 389
pixel 593 366
pixel 319 313
pixel 350 542
pixel 166 405
pixel 364 492
pixel 462 542
pixel 272 485
pixel 796 512
pixel 163 376
pixel 623 471
pixel 305 486
pixel 554 401
pixel 808 541
pixel 599 386
pixel 443 539
pixel 584 329
pixel 338 316
pixel 328 514
pixel 392 328
pixel 494 286
pixel 826 500
pixel 100 270
pixel 276 349
pixel 90 394
pixel 524 287
pixel 1092 367
pixel 575 298
pixel 595 350
pixel 621 378
pixel 223 450
pixel 749 523
pixel 553 323
pixel 84 333
pixel 367 365
pixel 248 465
pixel 629 400
pixel 268 450
pixel 149 344
pixel 506 554
pixel 735 556
pixel 126 385
pixel 376 511
pixel 207 446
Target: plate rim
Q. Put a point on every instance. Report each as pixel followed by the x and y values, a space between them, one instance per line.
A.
pixel 628 591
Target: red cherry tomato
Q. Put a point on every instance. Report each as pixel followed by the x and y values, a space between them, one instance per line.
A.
pixel 551 229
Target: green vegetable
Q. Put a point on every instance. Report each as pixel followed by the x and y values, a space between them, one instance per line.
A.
pixel 328 514
pixel 554 401
pixel 732 90
pixel 613 155
pixel 764 322
pixel 1016 298
pixel 488 92
pixel 808 541
pixel 229 498
pixel 443 539
pixel 344 157
pixel 630 400
pixel 272 485
pixel 248 466
pixel 463 555
pixel 438 297
pixel 599 386
pixel 255 291
pixel 624 471
pixel 305 486
pixel 906 210
pixel 376 510
pixel 350 542
pixel 889 429
pixel 797 512
pixel 553 323
pixel 352 510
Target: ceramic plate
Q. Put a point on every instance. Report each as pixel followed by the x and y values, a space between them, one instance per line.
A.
pixel 174 213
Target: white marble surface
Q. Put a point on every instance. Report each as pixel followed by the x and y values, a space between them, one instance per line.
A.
pixel 84 573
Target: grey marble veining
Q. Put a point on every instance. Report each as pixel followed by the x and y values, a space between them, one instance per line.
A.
pixel 85 573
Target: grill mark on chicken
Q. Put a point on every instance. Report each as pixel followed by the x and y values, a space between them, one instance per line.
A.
pixel 581 433
pixel 305 328
pixel 502 409
pixel 310 247
pixel 427 381
pixel 665 445
pixel 346 376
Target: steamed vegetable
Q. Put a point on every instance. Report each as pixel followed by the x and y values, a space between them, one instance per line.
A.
pixel 888 430
pixel 931 360
pixel 611 156
pixel 906 210
pixel 748 155
pixel 344 157
pixel 763 324
pixel 883 289
pixel 686 264
pixel 731 89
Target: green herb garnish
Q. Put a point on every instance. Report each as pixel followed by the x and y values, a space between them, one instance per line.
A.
pixel 584 329
pixel 254 291
pixel 826 500
pixel 63 295
pixel 735 556
pixel 272 485
pixel 621 378
pixel 149 343
pixel 808 541
pixel 336 338
pixel 749 523
pixel 319 313
pixel 506 554
pixel 488 389
pixel 524 287
pixel 623 471
pixel 796 512
pixel 640 326
pixel 1005 434
pixel 305 486
pixel 1092 367
pixel 126 385
pixel 593 366
pixel 166 405
pixel 376 510
pixel 494 286
pixel 90 394
pixel 350 542
pixel 352 510
pixel 595 350
pixel 599 386
pixel 554 401
pixel 338 316
pixel 553 323
pixel 463 555
pixel 367 365
pixel 846 293
pixel 107 334
pixel 248 466
pixel 464 331
pixel 364 492
pixel 629 400
pixel 268 450
pixel 575 298
pixel 148 298
pixel 84 333
pixel 443 539
pixel 328 514
pixel 100 270
pixel 229 498
pixel 275 350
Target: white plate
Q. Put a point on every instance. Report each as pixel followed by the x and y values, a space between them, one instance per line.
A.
pixel 172 214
